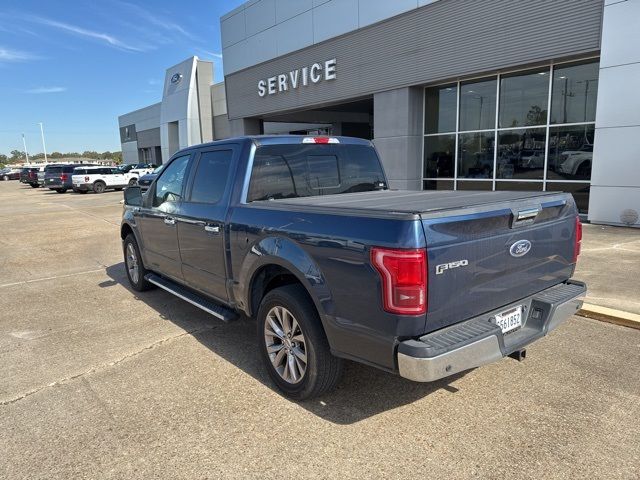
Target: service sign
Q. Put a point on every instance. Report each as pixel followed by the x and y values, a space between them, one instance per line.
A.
pixel 301 77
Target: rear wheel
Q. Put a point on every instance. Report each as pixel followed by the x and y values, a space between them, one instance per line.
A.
pixel 99 187
pixel 34 185
pixel 133 264
pixel 293 346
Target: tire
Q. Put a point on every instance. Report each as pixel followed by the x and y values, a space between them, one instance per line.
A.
pixel 133 182
pixel 304 342
pixel 34 185
pixel 133 265
pixel 99 186
pixel 5 178
pixel 61 190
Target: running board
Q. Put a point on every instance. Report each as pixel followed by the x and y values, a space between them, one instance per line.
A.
pixel 217 310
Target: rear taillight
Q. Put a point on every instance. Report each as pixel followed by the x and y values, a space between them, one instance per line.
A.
pixel 578 240
pixel 64 177
pixel 404 279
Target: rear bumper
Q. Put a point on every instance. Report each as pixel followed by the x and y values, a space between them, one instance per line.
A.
pixel 479 341
pixel 82 186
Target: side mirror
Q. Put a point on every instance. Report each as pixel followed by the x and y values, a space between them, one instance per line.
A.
pixel 133 196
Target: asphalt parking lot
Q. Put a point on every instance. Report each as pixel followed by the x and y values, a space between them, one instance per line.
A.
pixel 101 382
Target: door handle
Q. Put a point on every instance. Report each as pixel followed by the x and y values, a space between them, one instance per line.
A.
pixel 169 221
pixel 212 228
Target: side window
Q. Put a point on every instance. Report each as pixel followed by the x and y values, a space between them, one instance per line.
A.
pixel 211 176
pixel 169 183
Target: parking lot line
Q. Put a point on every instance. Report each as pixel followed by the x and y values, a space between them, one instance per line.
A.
pixel 44 279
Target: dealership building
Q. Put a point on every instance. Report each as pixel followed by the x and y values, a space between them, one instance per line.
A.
pixel 456 94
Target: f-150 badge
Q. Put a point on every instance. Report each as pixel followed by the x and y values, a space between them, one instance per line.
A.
pixel 440 269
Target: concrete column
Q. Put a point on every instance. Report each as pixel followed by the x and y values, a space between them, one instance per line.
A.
pixel 397 126
pixel 245 126
pixel 615 177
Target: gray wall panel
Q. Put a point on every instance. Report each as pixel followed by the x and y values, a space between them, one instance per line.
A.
pixel 149 138
pixel 445 39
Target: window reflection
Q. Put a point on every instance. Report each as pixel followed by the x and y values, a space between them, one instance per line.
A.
pixel 580 192
pixel 475 155
pixel 521 154
pixel 438 184
pixel 478 105
pixel 440 109
pixel 574 95
pixel 485 186
pixel 439 154
pixel 570 152
pixel 523 99
pixel 519 186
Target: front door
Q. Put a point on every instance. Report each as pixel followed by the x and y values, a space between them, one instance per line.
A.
pixel 201 223
pixel 157 220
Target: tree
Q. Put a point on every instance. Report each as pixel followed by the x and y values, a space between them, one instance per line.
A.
pixel 17 155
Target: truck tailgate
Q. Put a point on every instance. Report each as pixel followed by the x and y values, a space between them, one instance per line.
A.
pixel 484 257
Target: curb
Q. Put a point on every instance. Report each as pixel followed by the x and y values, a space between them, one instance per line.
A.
pixel 610 315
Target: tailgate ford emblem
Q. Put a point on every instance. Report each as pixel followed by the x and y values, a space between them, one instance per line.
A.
pixel 520 248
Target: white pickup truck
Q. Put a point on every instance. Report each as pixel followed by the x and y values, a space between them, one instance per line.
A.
pixel 134 171
pixel 98 179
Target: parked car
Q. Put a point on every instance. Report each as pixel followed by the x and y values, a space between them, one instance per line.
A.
pixel 303 234
pixel 577 163
pixel 97 179
pixel 7 174
pixel 29 175
pixel 145 181
pixel 139 171
pixel 58 177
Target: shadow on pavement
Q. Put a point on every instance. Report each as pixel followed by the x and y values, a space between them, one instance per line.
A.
pixel 363 392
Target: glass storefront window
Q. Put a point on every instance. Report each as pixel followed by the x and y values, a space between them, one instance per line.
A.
pixel 570 152
pixel 520 186
pixel 468 185
pixel 540 138
pixel 475 154
pixel 574 95
pixel 437 184
pixel 524 99
pixel 439 156
pixel 580 192
pixel 521 154
pixel 478 105
pixel 440 109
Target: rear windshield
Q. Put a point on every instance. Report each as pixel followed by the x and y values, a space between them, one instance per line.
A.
pixel 290 171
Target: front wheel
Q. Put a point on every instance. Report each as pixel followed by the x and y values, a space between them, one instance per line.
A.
pixel 293 346
pixel 133 182
pixel 5 178
pixel 133 264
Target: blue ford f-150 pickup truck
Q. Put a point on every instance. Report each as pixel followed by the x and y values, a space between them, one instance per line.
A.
pixel 302 234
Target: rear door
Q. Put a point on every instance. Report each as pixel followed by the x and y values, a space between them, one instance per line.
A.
pixel 201 222
pixel 157 219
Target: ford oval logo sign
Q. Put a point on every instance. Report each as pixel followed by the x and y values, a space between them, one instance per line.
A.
pixel 520 248
pixel 176 78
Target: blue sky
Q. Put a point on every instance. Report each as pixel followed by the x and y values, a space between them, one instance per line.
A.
pixel 75 65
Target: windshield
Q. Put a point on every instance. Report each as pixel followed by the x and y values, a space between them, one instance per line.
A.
pixel 290 171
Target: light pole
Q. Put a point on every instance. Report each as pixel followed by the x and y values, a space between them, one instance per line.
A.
pixel 43 145
pixel 24 142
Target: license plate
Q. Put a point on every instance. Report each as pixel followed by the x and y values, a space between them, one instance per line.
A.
pixel 510 320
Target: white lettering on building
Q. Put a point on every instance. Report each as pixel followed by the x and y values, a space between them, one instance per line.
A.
pixel 282 83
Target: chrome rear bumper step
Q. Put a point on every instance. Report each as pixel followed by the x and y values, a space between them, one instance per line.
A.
pixel 223 313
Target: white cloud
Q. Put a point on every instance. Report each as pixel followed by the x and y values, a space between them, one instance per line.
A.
pixel 210 54
pixel 104 37
pixel 158 21
pixel 40 90
pixel 9 55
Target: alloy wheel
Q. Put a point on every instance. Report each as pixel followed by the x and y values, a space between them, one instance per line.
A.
pixel 286 345
pixel 132 263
